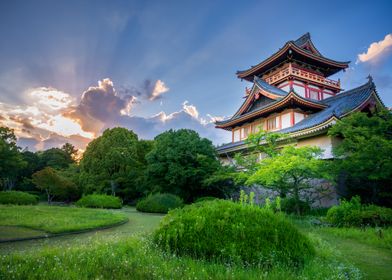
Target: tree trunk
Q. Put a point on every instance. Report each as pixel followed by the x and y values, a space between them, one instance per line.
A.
pixel 296 197
pixel 50 197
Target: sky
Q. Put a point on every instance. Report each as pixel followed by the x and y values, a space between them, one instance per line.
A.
pixel 70 69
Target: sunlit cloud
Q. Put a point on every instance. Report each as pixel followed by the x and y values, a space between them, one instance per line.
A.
pixel 376 50
pixel 158 89
pixel 63 126
pixel 50 98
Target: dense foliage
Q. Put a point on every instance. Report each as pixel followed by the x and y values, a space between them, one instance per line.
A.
pixel 290 171
pixel 11 161
pixel 112 163
pixel 179 163
pixel 353 213
pixel 100 201
pixel 54 185
pixel 159 203
pixel 205 198
pixel 19 198
pixel 226 231
pixel 289 205
pixel 365 152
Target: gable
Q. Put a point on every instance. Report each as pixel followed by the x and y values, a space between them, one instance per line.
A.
pixel 259 101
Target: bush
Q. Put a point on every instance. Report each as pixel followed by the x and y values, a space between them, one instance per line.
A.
pixel 159 203
pixel 353 214
pixel 222 230
pixel 100 201
pixel 19 198
pixel 289 206
pixel 205 198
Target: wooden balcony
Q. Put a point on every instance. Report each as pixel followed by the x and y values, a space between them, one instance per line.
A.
pixel 302 74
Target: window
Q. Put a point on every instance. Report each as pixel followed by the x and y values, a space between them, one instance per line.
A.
pixel 271 123
pixel 286 120
pixel 245 132
pixel 313 94
pixel 236 135
pixel 257 126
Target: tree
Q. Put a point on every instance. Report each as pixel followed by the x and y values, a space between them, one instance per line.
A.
pixel 289 171
pixel 111 163
pixel 364 156
pixel 11 160
pixel 70 150
pixel 52 183
pixel 24 175
pixel 179 162
pixel 55 158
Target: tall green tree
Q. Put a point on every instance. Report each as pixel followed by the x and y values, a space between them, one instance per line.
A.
pixel 56 158
pixel 290 172
pixel 111 164
pixel 11 160
pixel 364 156
pixel 179 163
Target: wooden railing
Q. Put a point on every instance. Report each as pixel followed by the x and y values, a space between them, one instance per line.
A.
pixel 294 71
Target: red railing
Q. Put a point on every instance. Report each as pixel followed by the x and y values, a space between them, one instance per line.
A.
pixel 294 71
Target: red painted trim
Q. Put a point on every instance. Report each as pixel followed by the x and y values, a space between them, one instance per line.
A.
pixel 292 119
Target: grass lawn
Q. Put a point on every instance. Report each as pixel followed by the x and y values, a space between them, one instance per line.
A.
pixel 53 219
pixel 125 252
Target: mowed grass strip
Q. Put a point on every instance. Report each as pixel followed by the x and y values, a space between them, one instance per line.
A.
pixel 54 219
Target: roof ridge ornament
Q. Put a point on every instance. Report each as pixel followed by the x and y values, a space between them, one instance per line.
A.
pixel 370 78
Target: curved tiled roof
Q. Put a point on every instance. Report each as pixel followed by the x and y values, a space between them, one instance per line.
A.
pixel 297 47
pixel 283 97
pixel 267 87
pixel 338 106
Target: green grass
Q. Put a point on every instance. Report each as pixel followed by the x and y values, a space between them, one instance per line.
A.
pixel 123 252
pixel 135 258
pixel 53 219
pixel 364 248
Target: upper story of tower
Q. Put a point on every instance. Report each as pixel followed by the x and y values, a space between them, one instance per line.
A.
pixel 300 66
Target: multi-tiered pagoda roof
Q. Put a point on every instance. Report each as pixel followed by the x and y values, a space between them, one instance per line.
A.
pixel 291 94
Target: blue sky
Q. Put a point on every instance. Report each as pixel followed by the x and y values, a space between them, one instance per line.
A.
pixel 172 63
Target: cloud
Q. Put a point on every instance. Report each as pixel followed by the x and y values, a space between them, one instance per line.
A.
pixel 100 105
pixel 150 90
pixel 377 50
pixel 190 110
pixel 54 117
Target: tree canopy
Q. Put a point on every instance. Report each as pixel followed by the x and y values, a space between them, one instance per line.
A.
pixel 111 163
pixel 11 160
pixel 364 156
pixel 179 162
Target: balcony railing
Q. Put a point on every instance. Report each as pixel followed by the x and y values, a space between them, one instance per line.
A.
pixel 296 72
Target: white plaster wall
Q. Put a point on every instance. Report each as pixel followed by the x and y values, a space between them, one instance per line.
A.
pixel 322 141
pixel 286 120
pixel 298 117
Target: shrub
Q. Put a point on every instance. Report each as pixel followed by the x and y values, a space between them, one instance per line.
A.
pixel 159 203
pixel 352 213
pixel 205 198
pixel 19 198
pixel 222 230
pixel 100 201
pixel 289 205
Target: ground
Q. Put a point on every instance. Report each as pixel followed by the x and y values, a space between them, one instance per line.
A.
pixel 121 251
